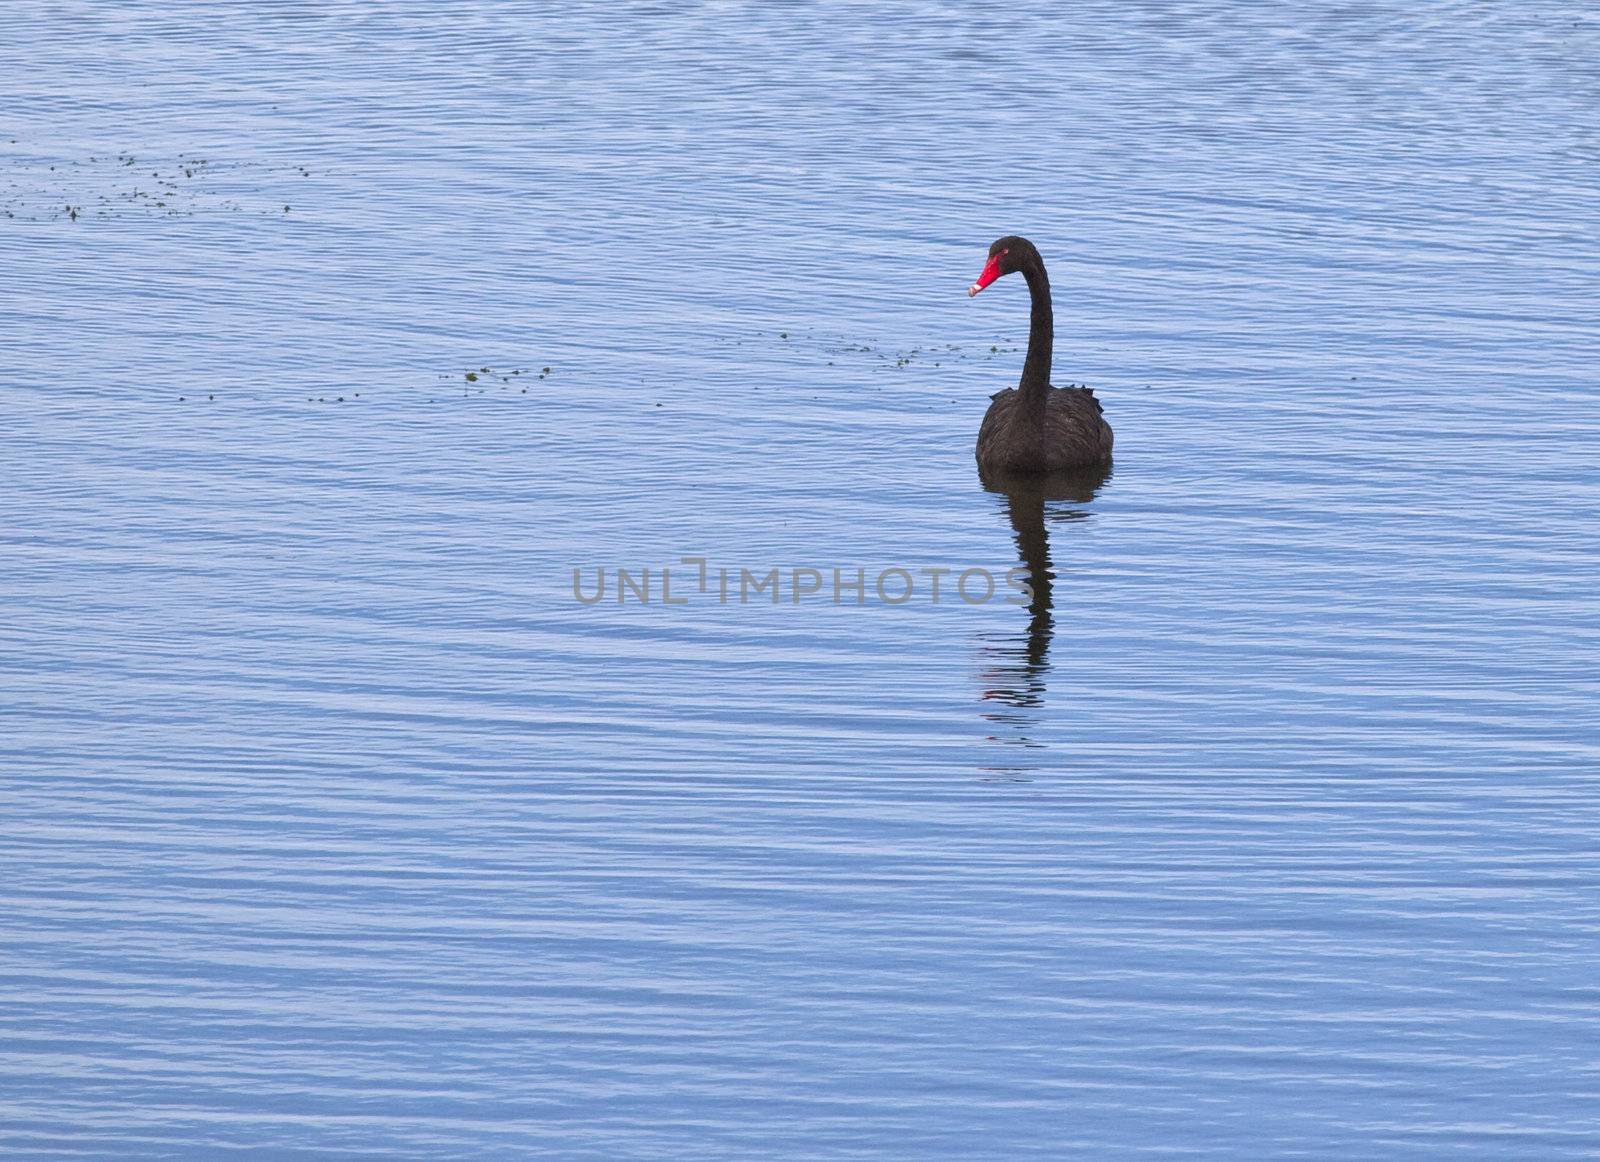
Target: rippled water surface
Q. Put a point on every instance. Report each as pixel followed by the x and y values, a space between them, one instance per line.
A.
pixel 337 827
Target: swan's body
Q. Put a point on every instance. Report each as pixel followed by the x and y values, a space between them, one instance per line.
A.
pixel 1019 436
pixel 1033 427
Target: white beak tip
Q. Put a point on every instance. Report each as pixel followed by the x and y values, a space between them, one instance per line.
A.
pixel 973 289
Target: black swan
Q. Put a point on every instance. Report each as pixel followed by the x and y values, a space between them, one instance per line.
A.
pixel 1033 427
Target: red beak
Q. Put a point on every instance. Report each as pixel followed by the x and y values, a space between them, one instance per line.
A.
pixel 991 271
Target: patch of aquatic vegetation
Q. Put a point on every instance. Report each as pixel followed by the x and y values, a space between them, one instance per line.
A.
pixel 39 188
pixel 876 356
pixel 482 380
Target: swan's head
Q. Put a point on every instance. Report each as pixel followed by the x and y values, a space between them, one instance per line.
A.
pixel 1007 254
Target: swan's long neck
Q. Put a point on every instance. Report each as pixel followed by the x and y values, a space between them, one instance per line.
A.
pixel 1041 334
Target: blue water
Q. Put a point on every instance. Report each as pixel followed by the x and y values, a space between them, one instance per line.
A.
pixel 337 827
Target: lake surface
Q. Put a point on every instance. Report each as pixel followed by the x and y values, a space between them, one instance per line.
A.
pixel 337 826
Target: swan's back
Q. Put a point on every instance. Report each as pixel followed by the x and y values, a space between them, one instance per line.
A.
pixel 1073 433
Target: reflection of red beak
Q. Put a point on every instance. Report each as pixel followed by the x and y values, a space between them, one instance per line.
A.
pixel 991 271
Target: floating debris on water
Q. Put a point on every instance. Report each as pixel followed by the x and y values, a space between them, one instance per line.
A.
pixel 99 186
pixel 505 375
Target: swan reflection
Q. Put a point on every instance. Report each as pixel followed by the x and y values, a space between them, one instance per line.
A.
pixel 1016 664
